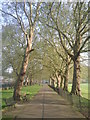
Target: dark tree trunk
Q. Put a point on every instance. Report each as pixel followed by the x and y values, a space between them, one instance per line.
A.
pixel 58 83
pixel 76 72
pixel 53 83
pixel 76 78
pixel 30 82
pixel 61 83
pixel 26 82
pixel 66 78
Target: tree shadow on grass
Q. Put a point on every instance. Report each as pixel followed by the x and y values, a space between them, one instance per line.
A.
pixel 7 92
pixel 7 118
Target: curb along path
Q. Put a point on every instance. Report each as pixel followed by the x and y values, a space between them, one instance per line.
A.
pixel 46 104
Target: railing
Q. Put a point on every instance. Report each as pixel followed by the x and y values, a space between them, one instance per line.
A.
pixel 80 103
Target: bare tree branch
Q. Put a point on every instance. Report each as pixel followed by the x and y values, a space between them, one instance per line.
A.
pixel 59 33
pixel 83 45
pixel 19 20
pixel 82 28
pixel 36 16
pixel 26 12
pixel 67 51
pixel 9 14
pixel 87 30
pixel 30 6
pixel 67 39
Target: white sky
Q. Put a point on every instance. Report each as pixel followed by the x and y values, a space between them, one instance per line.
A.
pixel 45 1
pixel 85 59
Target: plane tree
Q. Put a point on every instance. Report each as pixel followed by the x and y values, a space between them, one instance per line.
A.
pixel 54 59
pixel 50 35
pixel 25 14
pixel 71 24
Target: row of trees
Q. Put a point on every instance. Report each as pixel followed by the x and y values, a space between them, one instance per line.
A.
pixel 45 38
pixel 66 30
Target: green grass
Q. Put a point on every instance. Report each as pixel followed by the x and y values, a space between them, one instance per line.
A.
pixel 8 117
pixel 32 90
pixel 84 89
pixel 6 94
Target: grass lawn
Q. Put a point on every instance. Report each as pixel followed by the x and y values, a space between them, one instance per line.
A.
pixel 32 90
pixel 84 89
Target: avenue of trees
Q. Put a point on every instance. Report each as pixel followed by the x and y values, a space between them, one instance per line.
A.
pixel 45 41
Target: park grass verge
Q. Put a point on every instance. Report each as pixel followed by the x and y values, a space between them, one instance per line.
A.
pixel 81 103
pixel 84 89
pixel 31 90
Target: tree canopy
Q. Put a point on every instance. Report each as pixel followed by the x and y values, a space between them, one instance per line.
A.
pixel 45 41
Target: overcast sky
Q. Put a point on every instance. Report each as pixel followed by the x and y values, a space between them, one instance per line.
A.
pixel 45 0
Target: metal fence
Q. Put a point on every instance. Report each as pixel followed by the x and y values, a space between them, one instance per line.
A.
pixel 80 103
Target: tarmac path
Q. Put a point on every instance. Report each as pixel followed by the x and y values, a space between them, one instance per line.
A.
pixel 46 104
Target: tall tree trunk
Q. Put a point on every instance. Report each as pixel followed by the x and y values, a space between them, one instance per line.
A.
pixel 58 82
pixel 57 78
pixel 76 72
pixel 50 82
pixel 31 82
pixel 76 77
pixel 22 73
pixel 26 81
pixel 53 83
pixel 61 83
pixel 20 79
pixel 66 78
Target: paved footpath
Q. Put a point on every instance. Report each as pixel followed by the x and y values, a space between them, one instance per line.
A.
pixel 46 104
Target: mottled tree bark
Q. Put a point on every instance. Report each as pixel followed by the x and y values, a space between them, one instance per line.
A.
pixel 28 38
pixel 76 59
pixel 66 78
pixel 76 78
pixel 21 76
